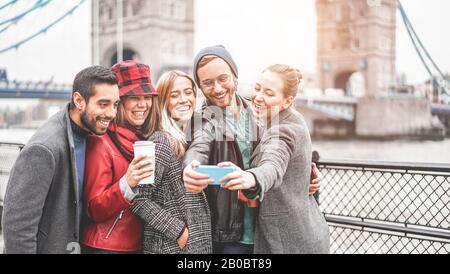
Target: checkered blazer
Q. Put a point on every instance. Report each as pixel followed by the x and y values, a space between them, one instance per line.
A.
pixel 166 208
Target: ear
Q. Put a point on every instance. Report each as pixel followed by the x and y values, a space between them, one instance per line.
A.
pixel 288 102
pixel 79 101
pixel 235 81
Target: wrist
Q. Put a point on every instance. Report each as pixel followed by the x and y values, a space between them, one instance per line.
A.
pixel 254 192
pixel 130 181
pixel 127 191
pixel 252 181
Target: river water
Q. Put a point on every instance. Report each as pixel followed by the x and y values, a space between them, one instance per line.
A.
pixel 396 151
pixel 391 151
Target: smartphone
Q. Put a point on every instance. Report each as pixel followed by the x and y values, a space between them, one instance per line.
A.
pixel 214 172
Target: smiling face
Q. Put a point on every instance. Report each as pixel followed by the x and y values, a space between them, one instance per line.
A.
pixel 218 83
pixel 267 97
pixel 100 109
pixel 136 109
pixel 181 102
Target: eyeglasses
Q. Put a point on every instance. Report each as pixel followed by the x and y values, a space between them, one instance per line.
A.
pixel 222 79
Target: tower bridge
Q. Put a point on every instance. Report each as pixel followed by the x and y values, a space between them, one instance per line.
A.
pixel 35 90
pixel 356 40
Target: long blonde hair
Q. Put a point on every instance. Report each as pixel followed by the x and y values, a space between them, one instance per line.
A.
pixel 164 88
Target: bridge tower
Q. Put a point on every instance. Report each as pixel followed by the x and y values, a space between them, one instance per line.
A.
pixel 357 36
pixel 157 32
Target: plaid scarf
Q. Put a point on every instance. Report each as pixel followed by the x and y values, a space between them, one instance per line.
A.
pixel 124 136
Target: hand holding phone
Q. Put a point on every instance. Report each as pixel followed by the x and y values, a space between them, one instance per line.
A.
pixel 215 172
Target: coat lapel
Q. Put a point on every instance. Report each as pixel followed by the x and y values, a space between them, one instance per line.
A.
pixel 73 162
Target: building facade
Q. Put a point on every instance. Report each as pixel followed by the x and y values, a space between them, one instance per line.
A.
pixel 156 32
pixel 357 36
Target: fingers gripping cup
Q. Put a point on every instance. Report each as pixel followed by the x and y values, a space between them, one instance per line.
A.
pixel 147 149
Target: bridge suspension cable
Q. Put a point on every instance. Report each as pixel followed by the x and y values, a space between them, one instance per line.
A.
pixel 44 29
pixel 419 47
pixel 8 4
pixel 408 22
pixel 12 21
pixel 37 5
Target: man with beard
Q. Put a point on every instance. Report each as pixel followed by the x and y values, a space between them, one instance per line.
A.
pixel 43 201
pixel 227 133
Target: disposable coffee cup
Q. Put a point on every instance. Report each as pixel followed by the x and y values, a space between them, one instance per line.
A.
pixel 147 149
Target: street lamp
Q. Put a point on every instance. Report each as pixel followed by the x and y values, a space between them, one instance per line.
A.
pixel 119 30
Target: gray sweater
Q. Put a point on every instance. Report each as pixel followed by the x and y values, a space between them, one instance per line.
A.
pixel 289 219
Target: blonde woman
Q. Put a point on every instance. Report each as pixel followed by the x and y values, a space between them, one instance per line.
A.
pixel 174 221
pixel 289 219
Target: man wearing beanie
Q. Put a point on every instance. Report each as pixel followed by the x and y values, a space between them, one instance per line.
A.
pixel 228 133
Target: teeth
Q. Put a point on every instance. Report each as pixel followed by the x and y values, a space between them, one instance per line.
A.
pixel 139 114
pixel 221 96
pixel 185 108
pixel 105 123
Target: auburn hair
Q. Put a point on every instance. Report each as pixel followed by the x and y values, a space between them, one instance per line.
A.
pixel 291 78
pixel 206 60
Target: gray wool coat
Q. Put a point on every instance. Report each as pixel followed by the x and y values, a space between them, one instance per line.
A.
pixel 289 219
pixel 41 208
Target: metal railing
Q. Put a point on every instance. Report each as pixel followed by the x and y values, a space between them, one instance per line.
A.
pixel 8 155
pixel 378 207
pixel 371 207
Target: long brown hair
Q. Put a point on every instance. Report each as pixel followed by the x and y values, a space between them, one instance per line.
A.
pixel 164 88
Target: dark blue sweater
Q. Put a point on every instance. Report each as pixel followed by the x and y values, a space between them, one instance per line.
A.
pixel 79 139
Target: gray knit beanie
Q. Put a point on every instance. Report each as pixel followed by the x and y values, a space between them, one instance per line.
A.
pixel 218 51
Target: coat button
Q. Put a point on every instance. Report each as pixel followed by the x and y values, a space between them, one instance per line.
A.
pixel 75 202
pixel 75 236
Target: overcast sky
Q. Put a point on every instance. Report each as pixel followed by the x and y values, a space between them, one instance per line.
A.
pixel 257 32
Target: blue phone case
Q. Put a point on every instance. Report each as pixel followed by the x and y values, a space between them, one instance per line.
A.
pixel 216 173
